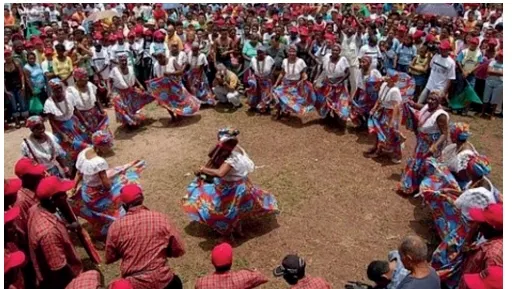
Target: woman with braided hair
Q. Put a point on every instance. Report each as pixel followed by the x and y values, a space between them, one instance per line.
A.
pixel 230 196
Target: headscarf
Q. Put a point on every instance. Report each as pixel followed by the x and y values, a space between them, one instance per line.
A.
pixel 102 138
pixel 122 56
pixel 367 59
pixel 34 121
pixel 292 47
pixel 479 166
pixel 437 94
pixel 227 133
pixel 459 131
pixel 80 73
pixel 55 82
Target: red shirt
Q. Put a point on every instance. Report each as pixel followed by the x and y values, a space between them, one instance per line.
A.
pixel 25 200
pixel 141 240
pixel 311 283
pixel 87 280
pixel 50 246
pixel 243 279
pixel 488 254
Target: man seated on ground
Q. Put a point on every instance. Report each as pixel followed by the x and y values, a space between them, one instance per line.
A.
pixel 293 271
pixel 222 259
pixel 414 256
pixel 225 86
pixel 387 274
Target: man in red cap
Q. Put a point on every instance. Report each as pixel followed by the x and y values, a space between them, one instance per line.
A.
pixel 13 278
pixel 469 59
pixel 143 240
pixel 87 280
pixel 293 271
pixel 442 72
pixel 491 278
pixel 222 259
pixel 489 222
pixel 54 257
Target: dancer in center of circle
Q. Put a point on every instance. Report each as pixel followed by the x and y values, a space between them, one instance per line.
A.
pixel 223 195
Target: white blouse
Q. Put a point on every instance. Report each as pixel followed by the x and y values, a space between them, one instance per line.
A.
pixel 83 101
pixel 62 111
pixel 292 71
pixel 428 120
pixel 46 152
pixel 361 79
pixel 456 161
pixel 262 68
pixel 241 165
pixel 474 198
pixel 389 96
pixel 195 61
pixel 335 70
pixel 90 168
pixel 122 81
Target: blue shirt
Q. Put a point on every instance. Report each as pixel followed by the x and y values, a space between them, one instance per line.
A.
pixel 406 54
pixel 400 272
pixel 388 58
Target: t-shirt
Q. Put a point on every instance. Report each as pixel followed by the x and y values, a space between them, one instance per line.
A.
pixel 406 54
pixel 442 70
pixel 373 52
pixel 496 67
pixel 431 281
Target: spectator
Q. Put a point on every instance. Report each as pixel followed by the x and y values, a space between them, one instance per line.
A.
pixel 293 271
pixel 414 256
pixel 493 92
pixel 387 274
pixel 222 260
pixel 491 279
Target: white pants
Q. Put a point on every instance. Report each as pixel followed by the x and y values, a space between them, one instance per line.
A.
pixel 223 95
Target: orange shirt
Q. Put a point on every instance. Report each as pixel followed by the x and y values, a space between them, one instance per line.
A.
pixel 9 20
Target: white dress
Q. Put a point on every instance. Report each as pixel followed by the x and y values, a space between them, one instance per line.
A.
pixel 293 70
pixel 428 120
pixel 262 68
pixel 389 96
pixel 61 111
pixel 456 161
pixel 241 165
pixel 122 81
pixel 83 101
pixel 46 152
pixel 90 168
pixel 335 70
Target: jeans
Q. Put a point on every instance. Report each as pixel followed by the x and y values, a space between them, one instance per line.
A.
pixel 18 103
pixel 493 92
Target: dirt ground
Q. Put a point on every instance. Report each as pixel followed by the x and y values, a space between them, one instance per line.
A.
pixel 338 209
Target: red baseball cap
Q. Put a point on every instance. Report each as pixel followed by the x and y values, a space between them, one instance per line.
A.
pixel 11 186
pixel 131 34
pixel 48 51
pixel 493 42
pixel 121 284
pixel 492 215
pixel 49 186
pixel 418 34
pixel 445 45
pixel 222 255
pixel 491 278
pixel 26 166
pixel 13 260
pixel 138 30
pixel 130 193
pixel 148 33
pixel 430 38
pixel 402 28
pixel 293 29
pixel 11 214
pixel 474 40
pixel 303 31
pixel 97 36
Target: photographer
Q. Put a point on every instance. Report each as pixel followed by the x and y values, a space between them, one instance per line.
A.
pixel 387 274
pixel 293 271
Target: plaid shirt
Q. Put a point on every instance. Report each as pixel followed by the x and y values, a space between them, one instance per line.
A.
pixel 26 199
pixel 311 283
pixel 243 279
pixel 487 254
pixel 400 272
pixel 50 246
pixel 87 280
pixel 142 240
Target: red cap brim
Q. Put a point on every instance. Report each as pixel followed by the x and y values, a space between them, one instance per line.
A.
pixel 13 260
pixel 473 281
pixel 12 186
pixel 477 215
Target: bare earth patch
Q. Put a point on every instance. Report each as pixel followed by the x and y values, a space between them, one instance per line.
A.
pixel 338 209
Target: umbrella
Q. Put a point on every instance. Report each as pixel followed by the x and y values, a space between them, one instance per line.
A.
pixel 107 14
pixel 169 6
pixel 438 9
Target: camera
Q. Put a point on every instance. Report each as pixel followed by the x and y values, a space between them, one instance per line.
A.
pixel 357 285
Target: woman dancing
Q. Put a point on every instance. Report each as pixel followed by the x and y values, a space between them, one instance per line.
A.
pixel 44 148
pixel 384 121
pixel 83 95
pixel 98 187
pixel 363 99
pixel 67 123
pixel 259 92
pixel 431 135
pixel 292 90
pixel 230 196
pixel 195 77
pixel 330 87
pixel 127 94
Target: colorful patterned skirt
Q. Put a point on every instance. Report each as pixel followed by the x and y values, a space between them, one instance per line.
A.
pixel 222 204
pixel 170 93
pixel 388 134
pixel 364 101
pixel 127 103
pixel 259 92
pixel 413 172
pixel 101 207
pixel 197 82
pixel 98 121
pixel 291 96
pixel 332 98
pixel 76 138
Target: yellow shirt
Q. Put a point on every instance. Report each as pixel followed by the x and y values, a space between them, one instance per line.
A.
pixel 231 79
pixel 62 69
pixel 174 38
